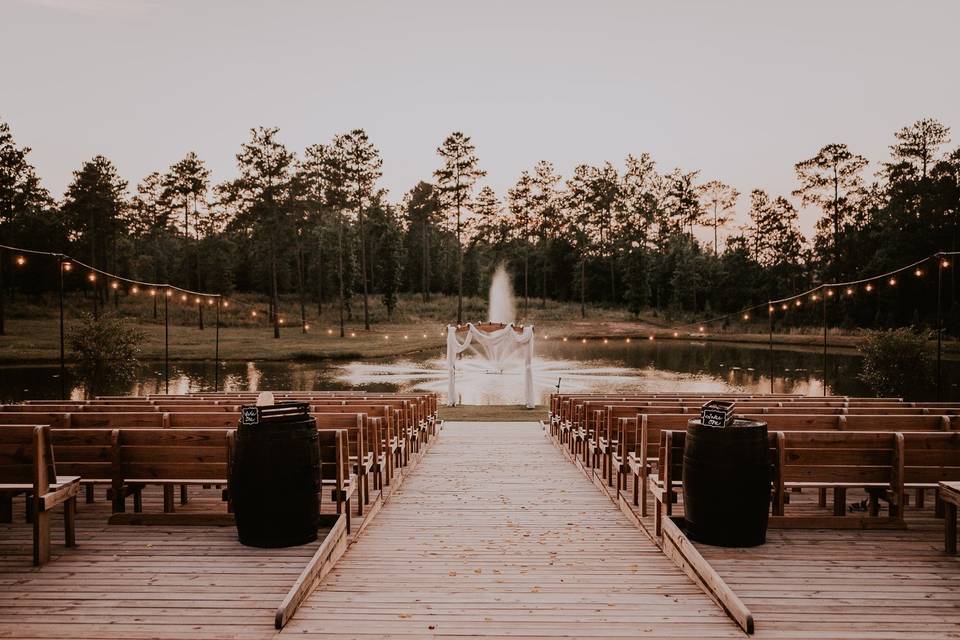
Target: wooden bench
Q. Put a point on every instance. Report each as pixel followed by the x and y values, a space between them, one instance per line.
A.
pixel 27 466
pixel 841 461
pixel 930 458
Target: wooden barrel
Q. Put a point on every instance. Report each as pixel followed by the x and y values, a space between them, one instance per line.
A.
pixel 726 483
pixel 275 482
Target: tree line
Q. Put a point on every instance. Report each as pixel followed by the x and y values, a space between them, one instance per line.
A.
pixel 317 224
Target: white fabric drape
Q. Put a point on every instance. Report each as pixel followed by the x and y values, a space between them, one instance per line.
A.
pixel 499 344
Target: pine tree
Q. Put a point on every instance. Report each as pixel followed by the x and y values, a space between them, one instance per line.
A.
pixel 455 181
pixel 520 198
pixel 719 201
pixel 545 204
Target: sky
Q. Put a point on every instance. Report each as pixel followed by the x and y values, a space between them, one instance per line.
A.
pixel 738 90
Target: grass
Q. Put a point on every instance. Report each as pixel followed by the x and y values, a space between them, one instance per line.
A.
pixel 492 413
pixel 33 328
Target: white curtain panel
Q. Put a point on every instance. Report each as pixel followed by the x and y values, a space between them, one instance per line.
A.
pixel 498 345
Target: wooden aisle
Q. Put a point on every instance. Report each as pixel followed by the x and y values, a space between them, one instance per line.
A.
pixel 494 534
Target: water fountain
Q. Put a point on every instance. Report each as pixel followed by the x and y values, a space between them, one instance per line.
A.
pixel 496 341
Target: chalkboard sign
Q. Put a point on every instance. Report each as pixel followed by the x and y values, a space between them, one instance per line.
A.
pixel 717 413
pixel 250 415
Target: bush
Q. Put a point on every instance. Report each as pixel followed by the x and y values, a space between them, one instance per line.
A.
pixel 106 351
pixel 895 362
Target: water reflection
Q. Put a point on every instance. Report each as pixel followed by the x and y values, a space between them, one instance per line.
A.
pixel 617 366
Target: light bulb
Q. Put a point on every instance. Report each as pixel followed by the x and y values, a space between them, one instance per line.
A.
pixel 21 261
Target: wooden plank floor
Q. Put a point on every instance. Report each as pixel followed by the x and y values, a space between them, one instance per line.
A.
pixel 143 582
pixel 494 534
pixel 844 584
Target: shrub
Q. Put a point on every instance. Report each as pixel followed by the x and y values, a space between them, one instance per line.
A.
pixel 106 351
pixel 895 362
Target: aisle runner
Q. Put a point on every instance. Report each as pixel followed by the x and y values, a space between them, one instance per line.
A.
pixel 496 534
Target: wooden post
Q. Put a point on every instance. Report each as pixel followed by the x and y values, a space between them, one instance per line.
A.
pixel 166 341
pixel 939 322
pixel 41 485
pixel 63 368
pixel 823 293
pixel 770 314
pixel 3 293
pixel 216 351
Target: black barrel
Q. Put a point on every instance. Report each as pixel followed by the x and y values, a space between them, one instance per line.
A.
pixel 726 483
pixel 275 477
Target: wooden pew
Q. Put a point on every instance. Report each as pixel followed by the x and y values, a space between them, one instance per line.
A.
pixel 842 461
pixel 27 466
pixel 930 458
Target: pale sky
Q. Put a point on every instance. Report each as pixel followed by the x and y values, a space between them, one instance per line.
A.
pixel 739 90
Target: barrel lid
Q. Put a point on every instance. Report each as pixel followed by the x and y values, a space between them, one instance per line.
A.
pixel 281 412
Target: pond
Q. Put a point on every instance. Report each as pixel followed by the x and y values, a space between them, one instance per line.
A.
pixel 641 365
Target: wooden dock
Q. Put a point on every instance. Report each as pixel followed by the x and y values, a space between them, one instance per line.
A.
pixel 493 534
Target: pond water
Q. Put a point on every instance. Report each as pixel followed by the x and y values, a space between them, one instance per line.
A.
pixel 640 365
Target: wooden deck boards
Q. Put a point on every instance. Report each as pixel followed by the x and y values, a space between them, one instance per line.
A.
pixel 493 535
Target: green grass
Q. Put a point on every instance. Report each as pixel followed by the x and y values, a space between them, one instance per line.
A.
pixel 33 328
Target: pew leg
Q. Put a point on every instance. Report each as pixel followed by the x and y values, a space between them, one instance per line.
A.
pixel 138 499
pixel 636 489
pixel 938 508
pixel 88 491
pixel 41 538
pixel 347 511
pixel 184 494
pixel 950 528
pixel 920 496
pixel 644 496
pixel 6 507
pixel 839 501
pixel 874 504
pixel 28 509
pixel 822 501
pixel 657 519
pixel 70 522
pixel 119 496
pixel 168 498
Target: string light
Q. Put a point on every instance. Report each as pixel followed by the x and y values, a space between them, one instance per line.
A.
pixel 564 339
pixel 628 340
pixel 944 263
pixel 68 266
pixel 892 281
pixel 676 334
pixel 406 337
pixel 605 341
pixel 280 320
pixel 650 338
pixel 253 313
pixel 784 306
pixel 209 301
pixel 814 297
pixel 829 293
pixel 329 332
pixel 169 293
pixel 584 341
pixel 702 329
pixel 134 290
pixel 225 304
pixel 918 272
pixel 798 302
pixel 114 285
pixel 746 316
pixel 21 261
pixel 153 292
pixel 869 287
pixel 849 291
pixel 197 300
pixel 386 337
pixel 770 309
pixel 92 277
pixel 353 335
pixel 306 327
pixel 424 335
pixel 183 297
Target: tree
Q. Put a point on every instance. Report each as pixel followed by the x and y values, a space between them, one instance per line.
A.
pixel 92 210
pixel 21 197
pixel 519 197
pixel 421 212
pixel 720 200
pixel 491 225
pixel 389 260
pixel 682 200
pixel 107 353
pixel 455 181
pixel 545 203
pixel 832 181
pixel 263 195
pixel 917 145
pixel 580 219
pixel 360 172
pixel 186 184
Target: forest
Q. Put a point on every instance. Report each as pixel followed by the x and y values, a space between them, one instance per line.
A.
pixel 315 226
